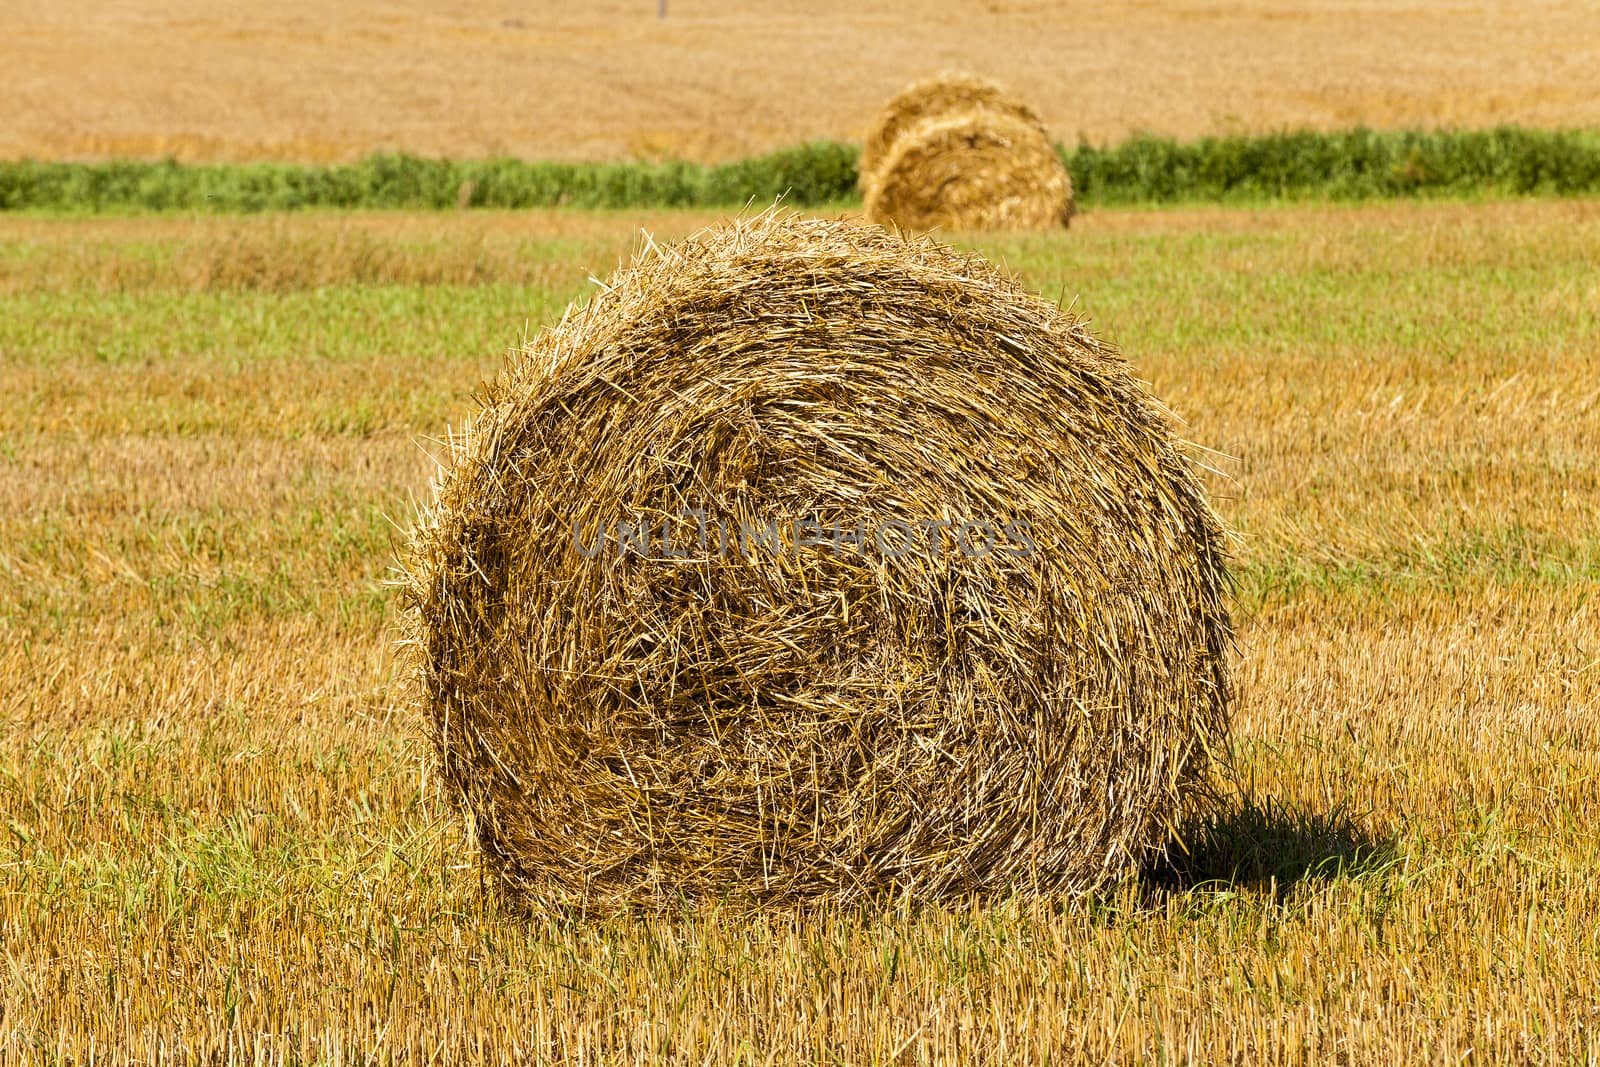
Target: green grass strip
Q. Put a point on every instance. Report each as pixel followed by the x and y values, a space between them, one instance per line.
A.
pixel 1343 165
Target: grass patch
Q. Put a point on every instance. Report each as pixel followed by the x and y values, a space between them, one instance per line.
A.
pixel 219 833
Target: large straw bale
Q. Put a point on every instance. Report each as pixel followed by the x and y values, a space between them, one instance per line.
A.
pixel 773 723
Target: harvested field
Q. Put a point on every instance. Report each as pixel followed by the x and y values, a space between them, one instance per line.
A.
pixel 219 829
pixel 717 80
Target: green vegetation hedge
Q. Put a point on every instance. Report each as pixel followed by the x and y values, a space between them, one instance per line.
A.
pixel 1355 164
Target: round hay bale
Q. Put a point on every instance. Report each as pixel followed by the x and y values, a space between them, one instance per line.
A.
pixel 973 170
pixel 928 599
pixel 946 93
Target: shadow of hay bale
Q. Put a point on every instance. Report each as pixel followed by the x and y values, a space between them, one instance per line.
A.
pixel 1252 843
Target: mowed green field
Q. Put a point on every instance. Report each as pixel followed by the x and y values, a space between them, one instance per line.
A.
pixel 220 839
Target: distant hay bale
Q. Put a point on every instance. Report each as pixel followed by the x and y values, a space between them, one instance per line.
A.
pixel 947 93
pixel 959 152
pixel 971 171
pixel 686 624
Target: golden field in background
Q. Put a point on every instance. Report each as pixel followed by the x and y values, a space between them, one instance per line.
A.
pixel 335 80
pixel 219 833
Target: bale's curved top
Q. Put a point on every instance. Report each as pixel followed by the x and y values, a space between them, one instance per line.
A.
pixel 798 684
pixel 945 93
pixel 971 170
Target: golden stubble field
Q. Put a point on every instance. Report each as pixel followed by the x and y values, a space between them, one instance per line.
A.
pixel 336 80
pixel 219 838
